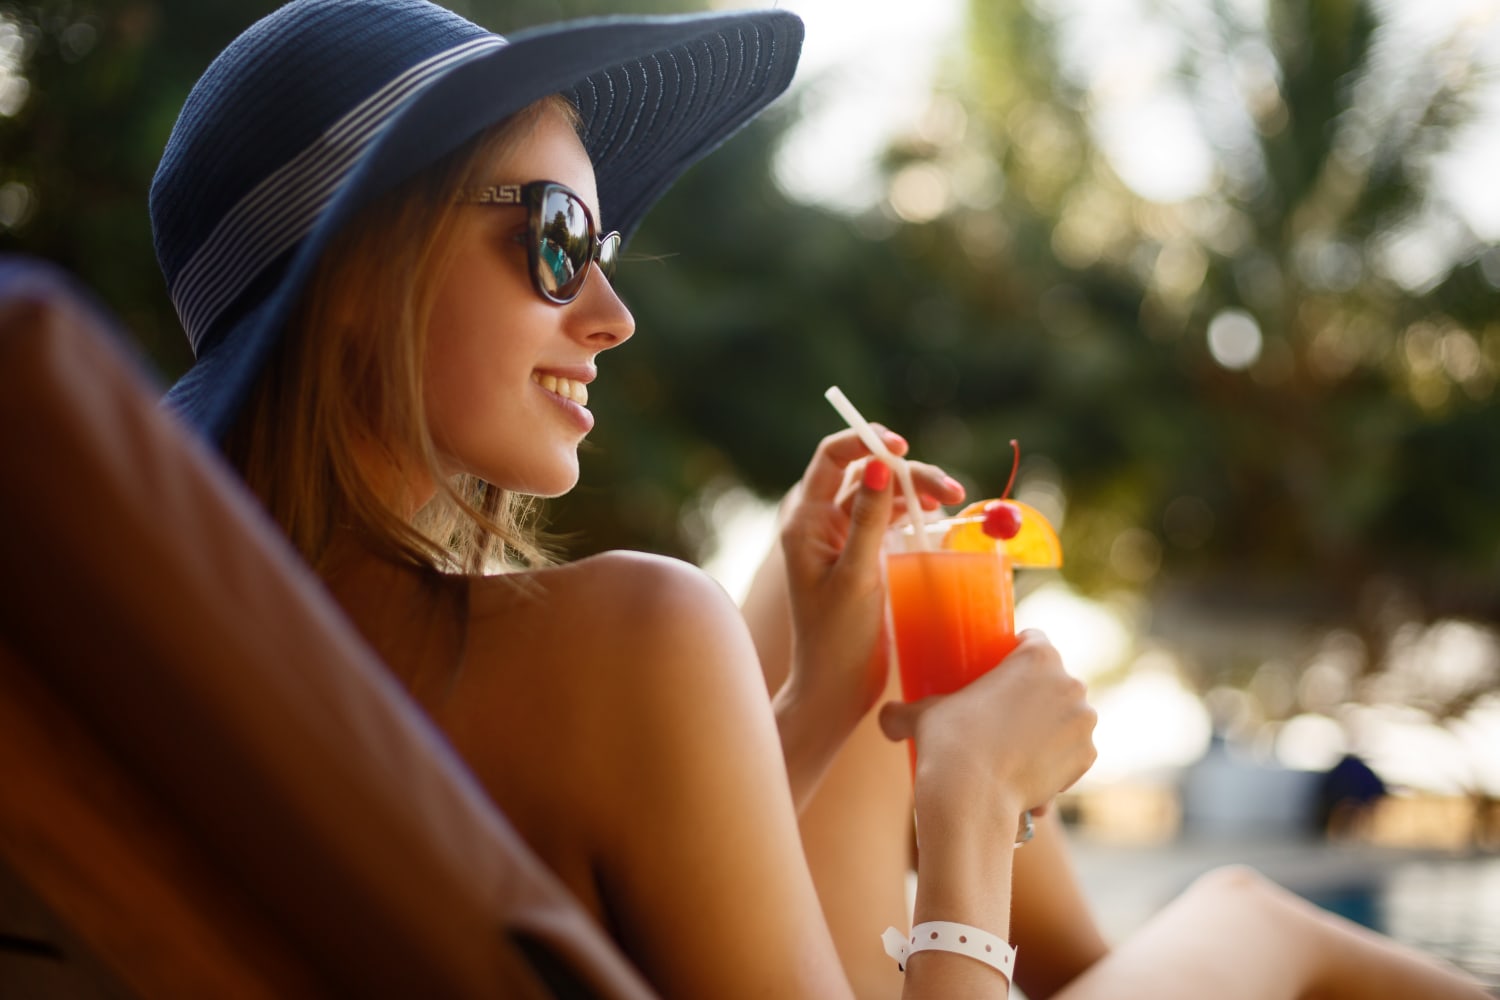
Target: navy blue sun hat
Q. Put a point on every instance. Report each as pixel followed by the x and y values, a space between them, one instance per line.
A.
pixel 323 105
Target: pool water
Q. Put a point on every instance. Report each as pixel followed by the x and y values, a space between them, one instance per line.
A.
pixel 1446 907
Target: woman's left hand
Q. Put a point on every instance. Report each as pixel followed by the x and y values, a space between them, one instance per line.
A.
pixel 833 524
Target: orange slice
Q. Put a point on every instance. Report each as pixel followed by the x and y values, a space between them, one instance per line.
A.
pixel 1035 545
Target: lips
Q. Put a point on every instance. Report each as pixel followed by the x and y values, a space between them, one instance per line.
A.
pixel 567 388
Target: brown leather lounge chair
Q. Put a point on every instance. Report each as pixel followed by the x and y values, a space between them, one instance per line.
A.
pixel 209 787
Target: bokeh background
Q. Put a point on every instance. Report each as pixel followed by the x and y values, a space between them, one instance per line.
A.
pixel 1228 269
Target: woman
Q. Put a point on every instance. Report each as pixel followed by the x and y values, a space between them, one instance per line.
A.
pixel 378 223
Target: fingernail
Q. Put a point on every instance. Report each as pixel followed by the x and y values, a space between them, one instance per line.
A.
pixel 877 476
pixel 952 485
pixel 894 440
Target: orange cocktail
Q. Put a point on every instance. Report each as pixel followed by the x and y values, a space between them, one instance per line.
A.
pixel 952 614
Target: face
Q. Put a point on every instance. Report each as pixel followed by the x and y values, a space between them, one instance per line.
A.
pixel 507 373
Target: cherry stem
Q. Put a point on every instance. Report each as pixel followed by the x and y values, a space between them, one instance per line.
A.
pixel 1015 447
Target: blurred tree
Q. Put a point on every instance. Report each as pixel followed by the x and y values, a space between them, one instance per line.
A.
pixel 1275 392
pixel 1262 401
pixel 100 83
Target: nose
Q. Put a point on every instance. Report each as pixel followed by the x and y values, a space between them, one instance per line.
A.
pixel 598 317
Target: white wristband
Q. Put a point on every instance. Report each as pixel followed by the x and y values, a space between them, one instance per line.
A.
pixel 944 935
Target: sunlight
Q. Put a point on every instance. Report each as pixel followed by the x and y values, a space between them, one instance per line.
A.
pixel 1091 637
pixel 1148 723
pixel 742 528
pixel 868 72
pixel 866 77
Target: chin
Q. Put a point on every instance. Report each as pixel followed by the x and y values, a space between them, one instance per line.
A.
pixel 549 483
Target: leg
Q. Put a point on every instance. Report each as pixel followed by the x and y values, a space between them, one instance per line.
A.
pixel 857 834
pixel 1234 935
pixel 1052 924
pixel 856 829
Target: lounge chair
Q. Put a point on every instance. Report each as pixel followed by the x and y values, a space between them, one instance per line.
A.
pixel 209 786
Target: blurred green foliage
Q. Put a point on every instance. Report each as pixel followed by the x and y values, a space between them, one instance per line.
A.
pixel 1354 456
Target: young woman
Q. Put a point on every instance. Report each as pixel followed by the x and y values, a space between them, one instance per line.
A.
pixel 379 224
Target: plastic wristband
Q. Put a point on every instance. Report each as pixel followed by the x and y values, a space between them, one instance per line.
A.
pixel 944 935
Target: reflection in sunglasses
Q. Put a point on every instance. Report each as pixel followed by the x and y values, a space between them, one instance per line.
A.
pixel 559 268
pixel 563 238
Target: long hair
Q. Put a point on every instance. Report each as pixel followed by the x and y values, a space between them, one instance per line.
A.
pixel 346 380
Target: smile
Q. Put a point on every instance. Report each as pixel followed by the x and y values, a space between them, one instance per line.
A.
pixel 567 388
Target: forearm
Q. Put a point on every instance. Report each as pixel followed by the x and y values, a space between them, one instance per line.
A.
pixel 767 608
pixel 964 870
pixel 811 732
pixel 811 735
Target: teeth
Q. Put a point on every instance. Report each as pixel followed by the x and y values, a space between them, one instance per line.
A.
pixel 565 387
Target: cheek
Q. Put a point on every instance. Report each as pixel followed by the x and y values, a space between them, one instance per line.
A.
pixel 468 310
pixel 477 341
pixel 453 371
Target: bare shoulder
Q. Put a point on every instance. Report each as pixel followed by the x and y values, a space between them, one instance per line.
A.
pixel 622 631
pixel 588 694
pixel 622 602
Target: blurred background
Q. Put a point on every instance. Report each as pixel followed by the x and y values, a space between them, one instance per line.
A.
pixel 1228 269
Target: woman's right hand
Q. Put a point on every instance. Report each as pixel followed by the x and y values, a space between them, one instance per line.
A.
pixel 1014 737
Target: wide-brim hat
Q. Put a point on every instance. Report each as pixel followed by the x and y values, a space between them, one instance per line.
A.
pixel 325 104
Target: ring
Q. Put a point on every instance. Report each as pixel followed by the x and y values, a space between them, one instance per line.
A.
pixel 1027 830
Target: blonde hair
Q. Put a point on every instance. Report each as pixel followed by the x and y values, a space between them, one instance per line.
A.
pixel 346 378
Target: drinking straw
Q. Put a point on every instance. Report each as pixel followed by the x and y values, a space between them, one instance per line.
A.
pixel 867 434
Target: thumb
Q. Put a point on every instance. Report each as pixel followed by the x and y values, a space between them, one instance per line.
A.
pixel 870 514
pixel 898 720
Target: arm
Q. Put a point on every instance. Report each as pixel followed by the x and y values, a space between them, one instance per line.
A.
pixel 640 758
pixel 856 828
pixel 815 608
pixel 712 817
pixel 1008 742
pixel 703 866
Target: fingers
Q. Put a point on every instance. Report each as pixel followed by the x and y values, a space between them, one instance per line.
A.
pixel 1027 721
pixel 835 469
pixel 898 720
pixel 934 486
pixel 825 472
pixel 869 517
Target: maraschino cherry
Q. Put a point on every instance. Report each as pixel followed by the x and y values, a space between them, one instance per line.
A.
pixel 1002 519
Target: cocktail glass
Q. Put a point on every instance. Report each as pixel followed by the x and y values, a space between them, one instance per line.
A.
pixel 952 613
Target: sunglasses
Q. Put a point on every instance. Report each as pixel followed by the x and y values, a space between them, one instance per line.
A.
pixel 561 238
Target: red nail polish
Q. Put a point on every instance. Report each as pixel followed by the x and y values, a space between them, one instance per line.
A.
pixel 877 476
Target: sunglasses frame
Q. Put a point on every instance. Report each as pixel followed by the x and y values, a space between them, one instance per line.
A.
pixel 603 250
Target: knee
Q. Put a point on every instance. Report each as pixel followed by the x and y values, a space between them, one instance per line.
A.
pixel 1235 881
pixel 1242 888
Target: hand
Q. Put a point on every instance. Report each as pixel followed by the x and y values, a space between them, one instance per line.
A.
pixel 1022 732
pixel 833 524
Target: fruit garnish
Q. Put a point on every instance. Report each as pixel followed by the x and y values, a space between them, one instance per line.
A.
pixel 1002 519
pixel 1020 529
pixel 1035 543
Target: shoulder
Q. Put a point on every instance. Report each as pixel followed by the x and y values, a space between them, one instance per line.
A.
pixel 625 628
pixel 632 598
pixel 612 677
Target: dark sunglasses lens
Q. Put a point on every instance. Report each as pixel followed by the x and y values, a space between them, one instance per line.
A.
pixel 563 245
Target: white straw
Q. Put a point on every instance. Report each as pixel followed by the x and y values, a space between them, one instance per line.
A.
pixel 867 434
